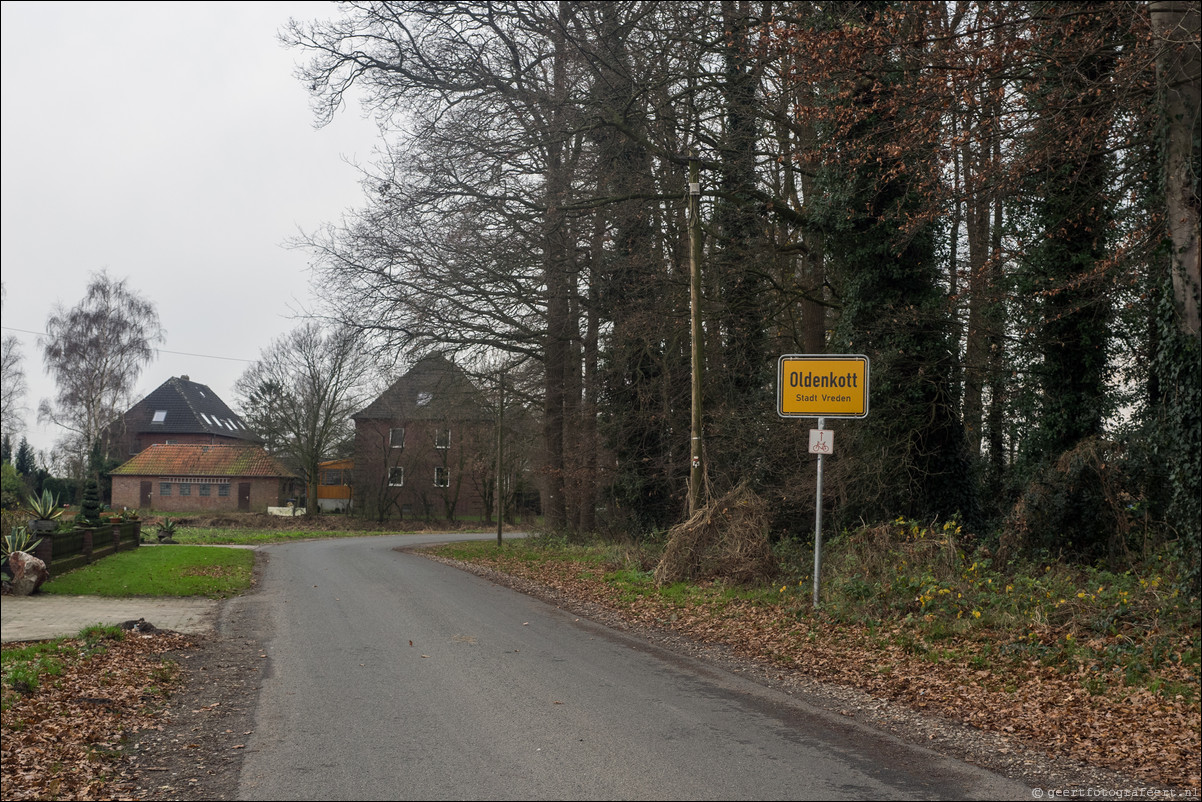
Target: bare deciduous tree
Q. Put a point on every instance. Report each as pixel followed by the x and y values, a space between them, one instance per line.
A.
pixel 300 395
pixel 12 383
pixel 14 388
pixel 95 351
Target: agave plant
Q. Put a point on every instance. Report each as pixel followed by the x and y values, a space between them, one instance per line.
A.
pixel 19 539
pixel 44 507
pixel 167 529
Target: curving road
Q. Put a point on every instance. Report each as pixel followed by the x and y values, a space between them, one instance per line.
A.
pixel 391 676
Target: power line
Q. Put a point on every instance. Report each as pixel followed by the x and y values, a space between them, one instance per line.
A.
pixel 157 350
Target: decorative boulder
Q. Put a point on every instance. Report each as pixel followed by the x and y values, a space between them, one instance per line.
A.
pixel 28 573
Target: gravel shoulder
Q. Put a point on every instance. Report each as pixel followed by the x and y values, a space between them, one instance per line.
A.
pixel 198 753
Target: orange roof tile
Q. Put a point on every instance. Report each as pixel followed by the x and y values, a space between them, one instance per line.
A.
pixel 196 460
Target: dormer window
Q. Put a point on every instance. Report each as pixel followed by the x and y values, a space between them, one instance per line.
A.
pixel 160 415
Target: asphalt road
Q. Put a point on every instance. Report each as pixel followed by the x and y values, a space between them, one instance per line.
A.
pixel 390 676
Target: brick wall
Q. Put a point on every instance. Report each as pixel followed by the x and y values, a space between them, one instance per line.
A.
pixel 264 493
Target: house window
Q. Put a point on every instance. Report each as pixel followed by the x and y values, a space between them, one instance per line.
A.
pixel 442 439
pixel 331 476
pixel 396 477
pixel 223 490
pixel 442 477
pixel 204 490
pixel 424 398
pixel 185 490
pixel 160 415
pixel 396 437
pixel 164 488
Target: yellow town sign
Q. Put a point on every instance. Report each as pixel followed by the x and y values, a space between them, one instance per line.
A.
pixel 822 386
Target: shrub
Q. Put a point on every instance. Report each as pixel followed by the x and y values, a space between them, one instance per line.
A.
pixel 1090 504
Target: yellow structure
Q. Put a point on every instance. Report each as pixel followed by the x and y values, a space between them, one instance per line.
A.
pixel 334 485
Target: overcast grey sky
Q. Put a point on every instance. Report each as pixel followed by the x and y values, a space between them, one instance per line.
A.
pixel 170 144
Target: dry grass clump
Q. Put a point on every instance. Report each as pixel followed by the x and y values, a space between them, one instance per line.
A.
pixel 726 539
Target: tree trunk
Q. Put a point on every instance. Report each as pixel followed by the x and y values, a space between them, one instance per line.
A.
pixel 555 279
pixel 1178 69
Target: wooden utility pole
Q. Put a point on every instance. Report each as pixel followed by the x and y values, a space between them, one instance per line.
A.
pixel 500 460
pixel 696 469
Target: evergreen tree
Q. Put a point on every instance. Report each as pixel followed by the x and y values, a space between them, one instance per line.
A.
pixel 26 463
pixel 89 508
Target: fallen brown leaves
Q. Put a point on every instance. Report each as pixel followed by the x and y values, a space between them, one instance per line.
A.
pixel 67 739
pixel 1133 731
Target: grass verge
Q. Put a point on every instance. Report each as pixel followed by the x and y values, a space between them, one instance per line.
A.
pixel 204 536
pixel 24 667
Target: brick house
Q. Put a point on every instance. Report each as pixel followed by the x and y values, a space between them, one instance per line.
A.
pixel 203 478
pixel 179 412
pixel 425 447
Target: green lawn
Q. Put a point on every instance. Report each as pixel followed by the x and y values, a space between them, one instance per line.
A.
pixel 176 570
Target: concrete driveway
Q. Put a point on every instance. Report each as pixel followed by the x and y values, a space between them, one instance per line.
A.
pixel 41 617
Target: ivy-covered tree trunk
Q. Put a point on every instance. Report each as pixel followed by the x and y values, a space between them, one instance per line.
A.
pixel 1063 282
pixel 912 446
pixel 1179 355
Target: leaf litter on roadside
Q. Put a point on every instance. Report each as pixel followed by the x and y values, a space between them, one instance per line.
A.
pixel 1134 731
pixel 67 738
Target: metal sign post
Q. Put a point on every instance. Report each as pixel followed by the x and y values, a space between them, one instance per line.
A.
pixel 818 520
pixel 821 386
